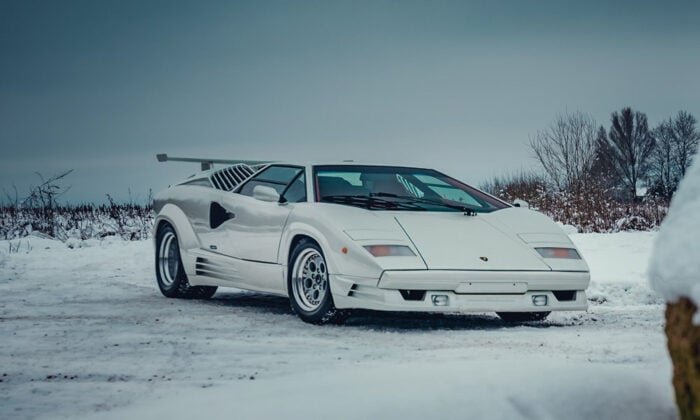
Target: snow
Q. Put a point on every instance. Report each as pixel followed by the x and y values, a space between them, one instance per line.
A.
pixel 86 334
pixel 474 389
pixel 674 269
pixel 618 267
pixel 568 229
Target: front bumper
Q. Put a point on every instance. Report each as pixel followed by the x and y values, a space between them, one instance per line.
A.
pixel 466 291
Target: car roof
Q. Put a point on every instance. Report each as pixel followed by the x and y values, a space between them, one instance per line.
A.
pixel 219 167
pixel 345 163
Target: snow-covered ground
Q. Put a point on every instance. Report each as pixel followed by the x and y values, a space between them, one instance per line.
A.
pixel 84 332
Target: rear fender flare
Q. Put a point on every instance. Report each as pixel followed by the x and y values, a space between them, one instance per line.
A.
pixel 173 215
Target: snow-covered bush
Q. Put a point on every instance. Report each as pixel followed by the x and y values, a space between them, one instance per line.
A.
pixel 128 221
pixel 591 210
pixel 40 213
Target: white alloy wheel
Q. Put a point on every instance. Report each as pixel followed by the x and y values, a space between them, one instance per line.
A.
pixel 168 259
pixel 309 279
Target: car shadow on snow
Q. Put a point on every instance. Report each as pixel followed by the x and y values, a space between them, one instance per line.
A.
pixel 377 320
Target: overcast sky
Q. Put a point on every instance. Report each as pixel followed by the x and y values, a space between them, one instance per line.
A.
pixel 101 87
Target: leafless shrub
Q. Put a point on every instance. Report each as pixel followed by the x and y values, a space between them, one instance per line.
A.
pixel 14 247
pixel 526 186
pixel 41 214
pixel 41 200
pixel 589 210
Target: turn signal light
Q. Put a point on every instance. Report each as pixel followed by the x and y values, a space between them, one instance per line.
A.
pixel 390 250
pixel 569 253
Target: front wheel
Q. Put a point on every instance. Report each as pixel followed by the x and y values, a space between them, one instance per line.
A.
pixel 523 316
pixel 308 286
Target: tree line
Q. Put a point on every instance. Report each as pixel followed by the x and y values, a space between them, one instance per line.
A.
pixel 579 156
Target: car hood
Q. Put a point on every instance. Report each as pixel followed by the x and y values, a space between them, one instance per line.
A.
pixel 453 241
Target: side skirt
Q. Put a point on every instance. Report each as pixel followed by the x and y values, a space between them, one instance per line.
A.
pixel 206 268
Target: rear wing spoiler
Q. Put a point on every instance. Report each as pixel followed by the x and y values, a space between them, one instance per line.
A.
pixel 209 163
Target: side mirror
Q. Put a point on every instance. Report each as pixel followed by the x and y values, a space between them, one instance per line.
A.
pixel 521 203
pixel 264 193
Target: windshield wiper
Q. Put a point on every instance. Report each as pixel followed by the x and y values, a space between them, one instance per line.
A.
pixel 468 211
pixel 369 202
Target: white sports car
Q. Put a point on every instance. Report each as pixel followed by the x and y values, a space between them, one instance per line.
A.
pixel 338 236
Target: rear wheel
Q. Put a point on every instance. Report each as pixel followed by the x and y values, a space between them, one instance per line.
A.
pixel 308 286
pixel 523 316
pixel 172 279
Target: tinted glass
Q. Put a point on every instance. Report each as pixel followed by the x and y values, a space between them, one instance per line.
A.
pixel 296 192
pixel 397 188
pixel 277 177
pixel 278 174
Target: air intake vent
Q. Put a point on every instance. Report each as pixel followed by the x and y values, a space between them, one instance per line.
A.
pixel 209 268
pixel 228 178
pixel 412 294
pixel 565 295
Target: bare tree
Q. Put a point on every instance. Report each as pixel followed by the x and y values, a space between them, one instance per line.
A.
pixel 686 140
pixel 566 150
pixel 602 172
pixel 627 148
pixel 663 169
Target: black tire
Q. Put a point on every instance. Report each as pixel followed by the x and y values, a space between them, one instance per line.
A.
pixel 170 273
pixel 320 310
pixel 523 316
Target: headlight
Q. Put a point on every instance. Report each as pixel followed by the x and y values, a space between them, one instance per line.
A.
pixel 569 253
pixel 390 250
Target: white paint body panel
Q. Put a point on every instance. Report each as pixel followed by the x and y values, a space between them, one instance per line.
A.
pixel 251 251
pixel 453 241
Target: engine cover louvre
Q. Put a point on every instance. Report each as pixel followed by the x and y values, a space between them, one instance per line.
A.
pixel 227 179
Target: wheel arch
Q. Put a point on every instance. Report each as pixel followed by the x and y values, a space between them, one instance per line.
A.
pixel 295 241
pixel 295 233
pixel 342 255
pixel 175 217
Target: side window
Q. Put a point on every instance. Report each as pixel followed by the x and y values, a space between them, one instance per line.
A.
pixel 277 177
pixel 296 192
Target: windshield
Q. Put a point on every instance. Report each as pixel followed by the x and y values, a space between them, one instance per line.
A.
pixel 397 188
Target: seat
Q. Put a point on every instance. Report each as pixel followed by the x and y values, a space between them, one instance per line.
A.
pixel 333 185
pixel 389 186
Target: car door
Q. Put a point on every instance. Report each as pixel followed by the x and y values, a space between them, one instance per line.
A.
pixel 249 228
